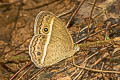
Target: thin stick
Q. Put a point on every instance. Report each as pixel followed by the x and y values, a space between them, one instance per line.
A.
pixel 8 4
pixel 93 34
pixel 68 23
pixel 17 45
pixel 90 17
pixel 40 6
pixel 66 12
pixel 16 18
pixel 37 73
pixel 20 70
pixel 88 36
pixel 85 61
pixel 25 72
pixel 96 70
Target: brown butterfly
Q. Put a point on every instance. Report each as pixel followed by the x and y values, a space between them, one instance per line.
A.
pixel 51 42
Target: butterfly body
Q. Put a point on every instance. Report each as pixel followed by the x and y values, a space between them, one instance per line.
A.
pixel 51 42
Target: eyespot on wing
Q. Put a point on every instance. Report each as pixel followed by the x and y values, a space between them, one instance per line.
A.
pixel 43 19
pixel 36 49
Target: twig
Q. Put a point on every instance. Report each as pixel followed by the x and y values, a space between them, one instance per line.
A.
pixel 16 18
pixel 8 4
pixel 88 36
pixel 43 5
pixel 96 70
pixel 92 34
pixel 100 59
pixel 90 17
pixel 66 12
pixel 68 23
pixel 37 73
pixel 20 70
pixel 17 46
pixel 85 63
pixel 25 72
pixel 106 30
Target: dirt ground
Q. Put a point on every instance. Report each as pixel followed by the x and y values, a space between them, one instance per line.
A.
pixel 99 61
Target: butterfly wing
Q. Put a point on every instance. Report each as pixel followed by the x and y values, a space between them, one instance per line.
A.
pixel 52 42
